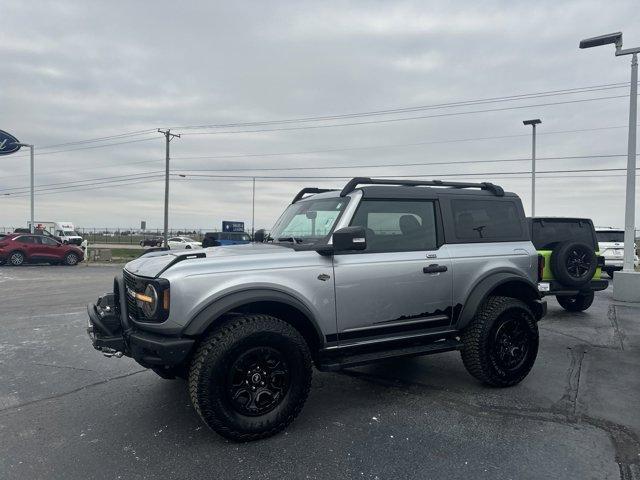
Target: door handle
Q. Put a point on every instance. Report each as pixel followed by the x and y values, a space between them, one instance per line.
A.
pixel 435 268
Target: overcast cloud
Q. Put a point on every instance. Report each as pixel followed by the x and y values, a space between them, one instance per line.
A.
pixel 78 70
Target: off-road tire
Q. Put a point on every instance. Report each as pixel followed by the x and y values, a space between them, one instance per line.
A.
pixel 16 259
pixel 478 341
pixel 71 259
pixel 576 303
pixel 559 258
pixel 211 365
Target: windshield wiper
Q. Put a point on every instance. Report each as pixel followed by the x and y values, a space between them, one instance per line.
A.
pixel 295 240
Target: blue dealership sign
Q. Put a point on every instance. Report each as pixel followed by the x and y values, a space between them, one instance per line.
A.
pixel 232 226
pixel 8 143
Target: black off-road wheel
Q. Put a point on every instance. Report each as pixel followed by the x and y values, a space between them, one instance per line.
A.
pixel 576 303
pixel 500 344
pixel 250 377
pixel 573 263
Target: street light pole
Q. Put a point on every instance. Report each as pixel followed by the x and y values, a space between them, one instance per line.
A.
pixel 626 284
pixel 630 207
pixel 168 137
pixel 253 208
pixel 533 123
pixel 32 176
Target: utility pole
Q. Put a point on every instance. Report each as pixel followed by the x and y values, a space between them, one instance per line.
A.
pixel 168 137
pixel 253 208
pixel 533 123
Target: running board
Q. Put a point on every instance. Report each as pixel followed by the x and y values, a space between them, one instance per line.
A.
pixel 334 363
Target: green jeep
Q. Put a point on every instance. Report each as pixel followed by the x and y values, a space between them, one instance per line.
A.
pixel 569 266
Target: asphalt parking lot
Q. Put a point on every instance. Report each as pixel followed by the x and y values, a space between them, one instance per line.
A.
pixel 68 412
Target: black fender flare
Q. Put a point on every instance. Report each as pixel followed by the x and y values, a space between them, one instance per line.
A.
pixel 488 284
pixel 213 311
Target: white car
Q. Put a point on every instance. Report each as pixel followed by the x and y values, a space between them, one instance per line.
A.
pixel 611 245
pixel 178 243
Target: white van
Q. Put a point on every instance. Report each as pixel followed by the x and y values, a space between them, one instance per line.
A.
pixel 65 231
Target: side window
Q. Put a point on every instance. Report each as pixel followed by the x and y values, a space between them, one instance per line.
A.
pixel 486 219
pixel 397 225
pixel 48 241
pixel 25 240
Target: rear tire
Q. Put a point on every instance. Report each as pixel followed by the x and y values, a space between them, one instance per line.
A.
pixel 500 344
pixel 16 259
pixel 250 377
pixel 576 303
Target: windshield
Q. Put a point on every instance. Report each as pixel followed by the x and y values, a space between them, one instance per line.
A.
pixel 187 239
pixel 610 236
pixel 308 221
pixel 70 233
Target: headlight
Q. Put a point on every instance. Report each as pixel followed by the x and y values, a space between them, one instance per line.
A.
pixel 149 305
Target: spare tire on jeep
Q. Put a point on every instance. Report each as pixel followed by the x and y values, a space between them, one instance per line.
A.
pixel 573 263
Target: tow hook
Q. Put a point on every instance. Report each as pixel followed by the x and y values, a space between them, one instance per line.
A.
pixel 110 352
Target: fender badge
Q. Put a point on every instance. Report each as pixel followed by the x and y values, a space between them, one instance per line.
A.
pixel 323 277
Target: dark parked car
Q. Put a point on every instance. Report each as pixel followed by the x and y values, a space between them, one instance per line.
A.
pixel 151 242
pixel 216 239
pixel 17 248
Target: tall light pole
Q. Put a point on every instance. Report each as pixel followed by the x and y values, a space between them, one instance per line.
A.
pixel 533 123
pixel 31 175
pixel 168 137
pixel 626 284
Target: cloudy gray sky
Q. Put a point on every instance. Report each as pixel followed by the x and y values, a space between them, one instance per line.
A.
pixel 72 71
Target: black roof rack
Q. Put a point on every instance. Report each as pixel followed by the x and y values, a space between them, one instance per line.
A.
pixel 354 182
pixel 306 190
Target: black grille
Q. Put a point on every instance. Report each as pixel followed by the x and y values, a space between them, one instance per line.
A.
pixel 131 282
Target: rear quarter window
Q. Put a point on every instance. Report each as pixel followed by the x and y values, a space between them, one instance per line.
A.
pixel 483 220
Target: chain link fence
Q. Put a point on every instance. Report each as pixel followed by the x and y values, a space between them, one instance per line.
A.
pixel 128 236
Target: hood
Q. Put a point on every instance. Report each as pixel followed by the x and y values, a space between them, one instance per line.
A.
pixel 153 264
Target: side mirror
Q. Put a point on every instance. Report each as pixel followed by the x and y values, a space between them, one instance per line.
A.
pixel 259 236
pixel 349 238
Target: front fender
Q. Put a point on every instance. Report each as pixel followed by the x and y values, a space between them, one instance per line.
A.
pixel 522 287
pixel 214 310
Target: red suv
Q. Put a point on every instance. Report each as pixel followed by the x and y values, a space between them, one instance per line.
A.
pixel 18 248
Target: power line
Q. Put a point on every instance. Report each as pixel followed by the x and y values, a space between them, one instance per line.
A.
pixel 434 175
pixel 330 150
pixel 131 175
pixel 391 111
pixel 403 119
pixel 574 90
pixel 91 187
pixel 90 148
pixel 326 167
pixel 414 164
pixel 550 174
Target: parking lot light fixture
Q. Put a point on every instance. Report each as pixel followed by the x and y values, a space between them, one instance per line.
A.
pixel 626 286
pixel 533 123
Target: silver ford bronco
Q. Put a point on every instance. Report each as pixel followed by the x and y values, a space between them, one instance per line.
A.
pixel 381 269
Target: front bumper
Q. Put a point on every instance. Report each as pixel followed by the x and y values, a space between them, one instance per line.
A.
pixel 112 336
